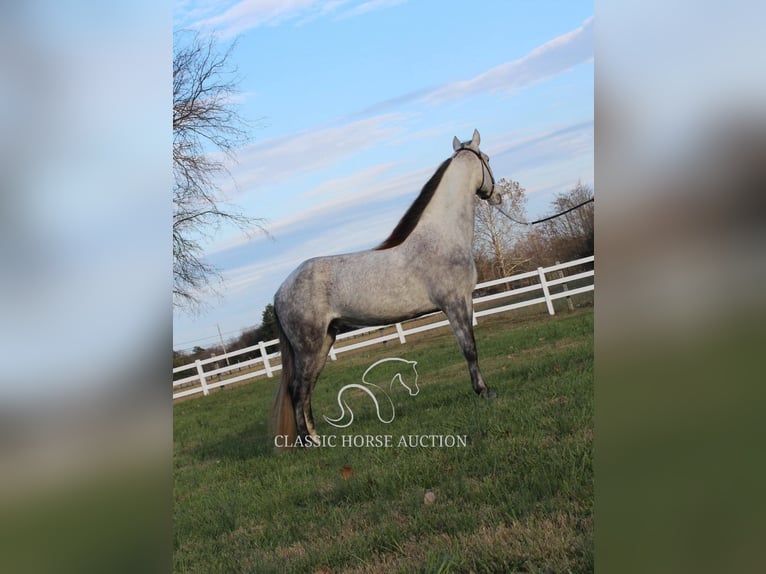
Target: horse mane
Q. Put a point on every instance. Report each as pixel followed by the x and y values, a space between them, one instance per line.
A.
pixel 411 218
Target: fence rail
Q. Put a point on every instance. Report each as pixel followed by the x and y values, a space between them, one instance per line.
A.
pixel 401 330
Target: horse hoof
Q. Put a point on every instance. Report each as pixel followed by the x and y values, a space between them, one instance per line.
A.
pixel 488 394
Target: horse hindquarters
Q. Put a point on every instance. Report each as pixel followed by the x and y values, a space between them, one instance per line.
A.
pixel 301 320
pixel 291 414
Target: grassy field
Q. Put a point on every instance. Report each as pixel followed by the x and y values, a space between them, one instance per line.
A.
pixel 517 497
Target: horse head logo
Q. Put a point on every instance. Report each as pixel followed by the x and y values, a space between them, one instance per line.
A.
pixel 368 387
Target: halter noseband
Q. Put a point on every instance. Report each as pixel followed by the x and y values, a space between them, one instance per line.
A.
pixel 480 193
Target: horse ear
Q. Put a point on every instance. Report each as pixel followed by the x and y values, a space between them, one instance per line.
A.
pixel 476 138
pixel 455 143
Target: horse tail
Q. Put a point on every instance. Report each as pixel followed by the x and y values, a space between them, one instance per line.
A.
pixel 282 413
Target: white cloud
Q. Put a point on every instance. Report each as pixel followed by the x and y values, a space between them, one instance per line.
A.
pixel 241 278
pixel 248 14
pixel 352 184
pixel 371 189
pixel 559 142
pixel 407 184
pixel 550 59
pixel 370 6
pixel 187 12
pixel 279 159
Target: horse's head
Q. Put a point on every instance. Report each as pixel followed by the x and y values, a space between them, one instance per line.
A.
pixel 413 388
pixel 486 189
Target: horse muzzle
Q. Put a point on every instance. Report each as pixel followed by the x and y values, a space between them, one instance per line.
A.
pixel 494 197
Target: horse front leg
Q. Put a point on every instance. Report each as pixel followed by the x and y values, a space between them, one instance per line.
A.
pixel 460 315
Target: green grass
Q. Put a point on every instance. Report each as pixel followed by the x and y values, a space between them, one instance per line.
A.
pixel 518 497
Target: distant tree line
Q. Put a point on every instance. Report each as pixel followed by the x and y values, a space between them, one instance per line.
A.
pixel 266 331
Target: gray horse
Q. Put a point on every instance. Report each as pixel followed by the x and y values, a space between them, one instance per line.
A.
pixel 425 265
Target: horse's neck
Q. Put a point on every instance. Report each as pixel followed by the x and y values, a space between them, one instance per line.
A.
pixel 448 219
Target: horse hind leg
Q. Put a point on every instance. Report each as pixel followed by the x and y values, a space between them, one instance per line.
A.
pixel 460 317
pixel 299 392
pixel 328 342
pixel 309 367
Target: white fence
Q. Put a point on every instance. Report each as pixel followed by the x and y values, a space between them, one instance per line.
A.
pixel 269 350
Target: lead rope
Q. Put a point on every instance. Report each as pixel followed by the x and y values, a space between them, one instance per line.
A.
pixel 501 210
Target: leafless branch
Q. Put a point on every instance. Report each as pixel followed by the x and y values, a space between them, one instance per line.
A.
pixel 206 125
pixel 494 235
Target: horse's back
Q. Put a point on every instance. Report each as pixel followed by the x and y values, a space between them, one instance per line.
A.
pixel 363 288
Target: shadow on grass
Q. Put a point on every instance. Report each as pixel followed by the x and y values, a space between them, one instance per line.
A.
pixel 253 441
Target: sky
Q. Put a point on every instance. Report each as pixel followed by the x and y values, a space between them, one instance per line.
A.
pixel 354 106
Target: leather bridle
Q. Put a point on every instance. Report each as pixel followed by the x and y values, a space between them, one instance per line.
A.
pixel 482 194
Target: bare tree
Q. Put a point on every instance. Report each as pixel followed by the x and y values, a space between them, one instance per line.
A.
pixel 563 238
pixel 495 234
pixel 207 129
pixel 572 235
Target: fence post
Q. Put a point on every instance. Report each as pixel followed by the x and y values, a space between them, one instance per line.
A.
pixel 400 331
pixel 474 322
pixel 265 355
pixel 546 293
pixel 570 305
pixel 202 380
pixel 333 356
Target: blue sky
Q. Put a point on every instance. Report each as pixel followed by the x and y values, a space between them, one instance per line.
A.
pixel 358 102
